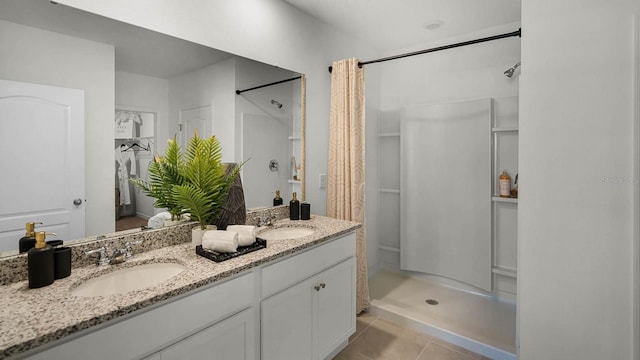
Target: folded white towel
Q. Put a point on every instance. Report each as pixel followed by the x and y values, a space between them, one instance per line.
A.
pixel 246 233
pixel 220 241
pixel 157 221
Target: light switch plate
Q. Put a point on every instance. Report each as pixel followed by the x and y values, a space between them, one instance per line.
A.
pixel 322 181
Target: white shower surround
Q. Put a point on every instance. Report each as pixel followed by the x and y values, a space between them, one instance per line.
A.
pixel 446 191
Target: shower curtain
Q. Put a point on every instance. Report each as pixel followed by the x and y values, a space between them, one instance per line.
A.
pixel 346 167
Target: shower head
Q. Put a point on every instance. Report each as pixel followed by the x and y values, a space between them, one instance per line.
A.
pixel 276 103
pixel 510 71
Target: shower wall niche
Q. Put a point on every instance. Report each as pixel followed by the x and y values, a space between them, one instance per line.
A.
pixel 504 152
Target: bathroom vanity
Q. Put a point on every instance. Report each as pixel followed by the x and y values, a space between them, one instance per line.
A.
pixel 293 300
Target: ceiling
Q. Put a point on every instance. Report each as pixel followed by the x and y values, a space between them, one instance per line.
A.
pixel 389 25
pixel 137 50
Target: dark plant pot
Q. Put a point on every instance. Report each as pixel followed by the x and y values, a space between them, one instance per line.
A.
pixel 234 211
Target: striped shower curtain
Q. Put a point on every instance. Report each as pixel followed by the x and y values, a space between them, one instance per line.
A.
pixel 346 167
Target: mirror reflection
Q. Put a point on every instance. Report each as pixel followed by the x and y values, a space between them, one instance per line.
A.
pixel 136 89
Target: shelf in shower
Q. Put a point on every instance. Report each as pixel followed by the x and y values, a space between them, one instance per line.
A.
pixel 389 248
pixel 505 271
pixel 390 191
pixel 504 200
pixel 504 129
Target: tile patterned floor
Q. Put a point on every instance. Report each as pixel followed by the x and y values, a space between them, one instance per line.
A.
pixel 378 339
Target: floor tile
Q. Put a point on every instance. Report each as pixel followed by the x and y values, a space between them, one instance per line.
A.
pixel 460 349
pixel 362 322
pixel 436 351
pixel 383 340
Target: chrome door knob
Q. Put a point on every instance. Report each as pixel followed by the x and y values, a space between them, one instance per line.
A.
pixel 77 202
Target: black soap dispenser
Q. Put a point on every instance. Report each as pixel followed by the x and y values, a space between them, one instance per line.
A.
pixel 294 208
pixel 277 200
pixel 305 211
pixel 40 262
pixel 28 241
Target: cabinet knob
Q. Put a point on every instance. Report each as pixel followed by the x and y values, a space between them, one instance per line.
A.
pixel 317 287
pixel 323 285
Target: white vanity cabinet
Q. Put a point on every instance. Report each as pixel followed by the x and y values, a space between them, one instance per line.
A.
pixel 173 326
pixel 308 309
pixel 299 307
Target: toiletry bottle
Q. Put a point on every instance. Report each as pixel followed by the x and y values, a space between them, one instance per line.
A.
pixel 305 211
pixel 40 262
pixel 294 208
pixel 505 184
pixel 277 200
pixel 28 241
pixel 514 189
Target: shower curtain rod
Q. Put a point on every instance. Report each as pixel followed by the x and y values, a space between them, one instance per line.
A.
pixel 238 92
pixel 517 33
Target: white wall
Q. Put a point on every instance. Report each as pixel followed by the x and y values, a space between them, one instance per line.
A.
pixel 269 31
pixel 145 93
pixel 250 73
pixel 43 57
pixel 576 175
pixel 213 85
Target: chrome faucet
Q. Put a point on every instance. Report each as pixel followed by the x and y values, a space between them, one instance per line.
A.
pixel 266 221
pixel 118 256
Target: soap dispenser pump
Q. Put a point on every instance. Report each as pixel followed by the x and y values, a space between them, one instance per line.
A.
pixel 40 262
pixel 277 200
pixel 294 208
pixel 28 241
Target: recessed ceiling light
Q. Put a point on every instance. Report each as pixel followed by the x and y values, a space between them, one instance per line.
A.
pixel 433 25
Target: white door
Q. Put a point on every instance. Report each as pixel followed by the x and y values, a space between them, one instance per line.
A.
pixel 287 323
pixel 336 306
pixel 42 162
pixel 230 339
pixel 198 118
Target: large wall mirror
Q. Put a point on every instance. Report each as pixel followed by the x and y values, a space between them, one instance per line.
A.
pixel 137 88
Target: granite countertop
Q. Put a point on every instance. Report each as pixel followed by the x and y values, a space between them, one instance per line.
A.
pixel 33 317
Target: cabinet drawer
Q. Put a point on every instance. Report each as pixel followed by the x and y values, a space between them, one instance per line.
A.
pixel 292 270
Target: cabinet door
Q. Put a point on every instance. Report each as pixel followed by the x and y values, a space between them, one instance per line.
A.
pixel 230 339
pixel 287 321
pixel 336 306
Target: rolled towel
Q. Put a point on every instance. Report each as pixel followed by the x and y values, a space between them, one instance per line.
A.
pixel 220 241
pixel 157 221
pixel 246 233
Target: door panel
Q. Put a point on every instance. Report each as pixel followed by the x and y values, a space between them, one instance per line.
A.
pixel 200 119
pixel 336 306
pixel 287 324
pixel 42 142
pixel 230 339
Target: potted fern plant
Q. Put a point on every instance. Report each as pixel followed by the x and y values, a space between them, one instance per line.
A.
pixel 206 183
pixel 164 174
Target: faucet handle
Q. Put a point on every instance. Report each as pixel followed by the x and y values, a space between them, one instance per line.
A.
pixel 103 256
pixel 128 250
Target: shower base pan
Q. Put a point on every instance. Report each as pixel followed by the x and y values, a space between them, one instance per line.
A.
pixel 479 323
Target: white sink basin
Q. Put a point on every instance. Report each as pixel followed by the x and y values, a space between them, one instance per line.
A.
pixel 285 233
pixel 128 279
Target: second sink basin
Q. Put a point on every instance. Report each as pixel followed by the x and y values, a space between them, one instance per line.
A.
pixel 128 279
pixel 284 233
